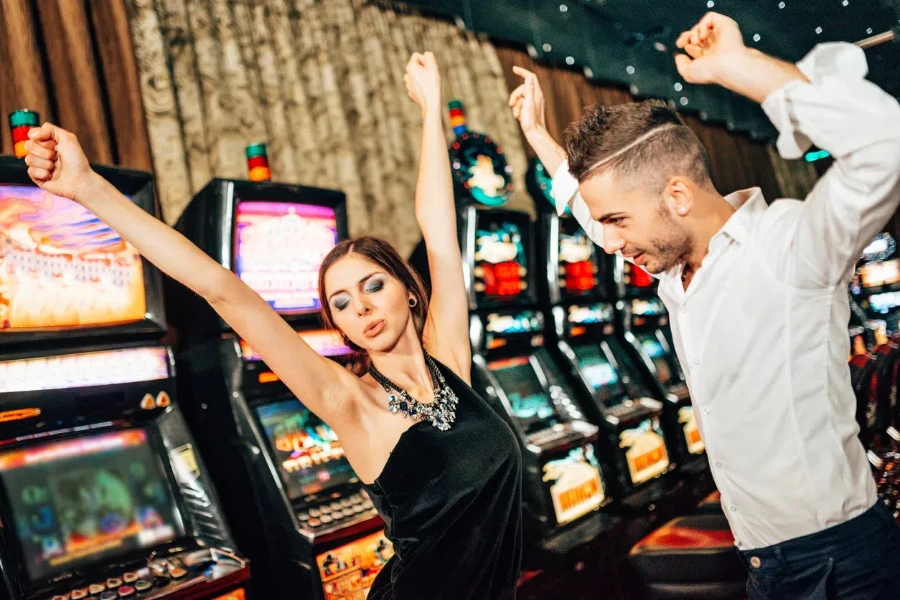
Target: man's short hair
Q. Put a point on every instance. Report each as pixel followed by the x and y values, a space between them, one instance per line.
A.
pixel 661 145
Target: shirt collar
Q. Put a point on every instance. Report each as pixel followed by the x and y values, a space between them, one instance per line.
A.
pixel 748 204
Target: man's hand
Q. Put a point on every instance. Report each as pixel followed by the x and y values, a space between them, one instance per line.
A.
pixel 527 102
pixel 56 162
pixel 710 45
pixel 716 54
pixel 423 82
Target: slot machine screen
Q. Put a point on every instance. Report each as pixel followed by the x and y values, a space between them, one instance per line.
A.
pixel 77 501
pixel 279 247
pixel 638 281
pixel 531 405
pixel 880 273
pixel 577 261
pixel 323 341
pixel 501 262
pixel 645 450
pixel 348 571
pixel 600 374
pixel 61 266
pixel 309 455
pixel 651 346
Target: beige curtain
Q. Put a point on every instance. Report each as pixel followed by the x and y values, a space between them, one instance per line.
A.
pixel 320 81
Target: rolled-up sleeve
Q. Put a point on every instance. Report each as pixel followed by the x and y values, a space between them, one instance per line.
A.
pixel 841 112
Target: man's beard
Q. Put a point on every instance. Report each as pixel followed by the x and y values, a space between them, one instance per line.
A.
pixel 670 248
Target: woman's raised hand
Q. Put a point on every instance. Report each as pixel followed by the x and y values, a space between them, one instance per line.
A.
pixel 56 162
pixel 423 82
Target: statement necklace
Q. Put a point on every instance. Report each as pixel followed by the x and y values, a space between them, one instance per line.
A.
pixel 441 412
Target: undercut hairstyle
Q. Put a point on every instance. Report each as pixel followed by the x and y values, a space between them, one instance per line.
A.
pixel 661 146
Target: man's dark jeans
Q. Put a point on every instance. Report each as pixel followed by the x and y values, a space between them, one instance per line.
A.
pixel 856 560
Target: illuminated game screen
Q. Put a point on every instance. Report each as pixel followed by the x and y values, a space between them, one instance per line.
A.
pixel 577 262
pixel 651 346
pixel 78 501
pixel 348 571
pixel 307 452
pixel 645 450
pixel 60 266
pixel 880 273
pixel 323 341
pixel 501 262
pixel 279 247
pixel 531 405
pixel 637 280
pixel 84 369
pixel 600 373
pixel 575 483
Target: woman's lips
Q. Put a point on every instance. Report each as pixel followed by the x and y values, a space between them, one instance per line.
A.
pixel 374 328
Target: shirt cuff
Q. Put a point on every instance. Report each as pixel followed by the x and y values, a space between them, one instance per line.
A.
pixel 564 187
pixel 833 61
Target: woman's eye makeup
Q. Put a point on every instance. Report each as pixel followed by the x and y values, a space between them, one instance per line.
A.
pixel 341 303
pixel 374 285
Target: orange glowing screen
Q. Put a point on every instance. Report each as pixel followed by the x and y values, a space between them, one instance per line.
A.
pixel 19 414
pixel 237 594
pixel 60 266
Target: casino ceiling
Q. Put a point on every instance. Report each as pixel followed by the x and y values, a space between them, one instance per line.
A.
pixel 630 42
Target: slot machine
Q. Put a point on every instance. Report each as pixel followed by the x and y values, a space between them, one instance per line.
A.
pixel 104 492
pixel 875 289
pixel 647 322
pixel 564 485
pixel 297 505
pixel 578 293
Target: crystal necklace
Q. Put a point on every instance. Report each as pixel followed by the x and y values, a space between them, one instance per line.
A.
pixel 441 412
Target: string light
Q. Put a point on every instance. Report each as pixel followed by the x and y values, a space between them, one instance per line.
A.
pixel 629 69
pixel 756 38
pixel 563 8
pixel 781 5
pixel 683 101
pixel 678 87
pixel 710 4
pixel 869 31
pixel 570 60
pixel 547 47
pixel 818 30
pixel 846 2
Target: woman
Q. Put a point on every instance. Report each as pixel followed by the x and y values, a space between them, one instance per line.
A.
pixel 446 478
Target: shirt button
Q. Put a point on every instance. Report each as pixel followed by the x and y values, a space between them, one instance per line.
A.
pixel 705 411
pixel 695 362
pixel 732 508
pixel 755 562
pixel 718 464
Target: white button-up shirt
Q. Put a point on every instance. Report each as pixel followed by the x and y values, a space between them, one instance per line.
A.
pixel 761 331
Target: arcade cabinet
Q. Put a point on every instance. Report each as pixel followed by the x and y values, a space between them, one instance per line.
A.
pixel 296 504
pixel 875 287
pixel 564 485
pixel 104 493
pixel 577 292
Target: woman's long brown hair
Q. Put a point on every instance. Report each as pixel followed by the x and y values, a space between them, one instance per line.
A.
pixel 382 254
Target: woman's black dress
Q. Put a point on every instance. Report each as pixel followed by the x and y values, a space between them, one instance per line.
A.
pixel 452 503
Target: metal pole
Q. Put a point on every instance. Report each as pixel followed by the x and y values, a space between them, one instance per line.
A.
pixel 880 38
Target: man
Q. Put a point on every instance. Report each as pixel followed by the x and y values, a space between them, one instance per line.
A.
pixel 757 294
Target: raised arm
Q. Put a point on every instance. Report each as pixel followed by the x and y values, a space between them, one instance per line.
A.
pixel 58 165
pixel 824 100
pixel 446 331
pixel 527 103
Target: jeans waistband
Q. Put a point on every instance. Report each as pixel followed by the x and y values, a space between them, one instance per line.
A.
pixel 870 522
